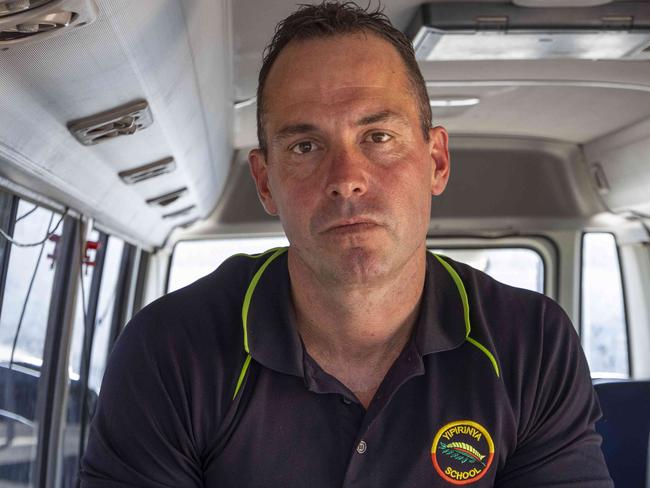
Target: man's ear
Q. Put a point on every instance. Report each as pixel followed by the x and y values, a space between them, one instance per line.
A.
pixel 259 170
pixel 439 151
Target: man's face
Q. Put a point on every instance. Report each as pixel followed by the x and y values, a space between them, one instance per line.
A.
pixel 348 169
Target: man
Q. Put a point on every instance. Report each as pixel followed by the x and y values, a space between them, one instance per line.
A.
pixel 354 358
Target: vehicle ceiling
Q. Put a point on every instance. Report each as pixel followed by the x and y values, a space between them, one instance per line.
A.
pixel 563 111
pixel 194 61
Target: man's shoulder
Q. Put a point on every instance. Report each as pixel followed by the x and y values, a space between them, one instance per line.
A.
pixel 525 330
pixel 207 311
pixel 509 311
pixel 481 284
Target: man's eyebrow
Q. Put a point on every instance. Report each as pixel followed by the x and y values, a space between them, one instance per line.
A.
pixel 293 130
pixel 383 116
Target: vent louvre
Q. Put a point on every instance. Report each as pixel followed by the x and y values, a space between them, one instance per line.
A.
pixel 38 26
pixel 179 213
pixel 23 21
pixel 11 7
pixel 167 198
pixel 147 171
pixel 122 121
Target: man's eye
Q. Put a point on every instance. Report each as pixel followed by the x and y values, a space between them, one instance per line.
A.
pixel 380 137
pixel 303 147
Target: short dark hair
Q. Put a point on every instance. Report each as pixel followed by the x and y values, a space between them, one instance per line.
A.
pixel 335 18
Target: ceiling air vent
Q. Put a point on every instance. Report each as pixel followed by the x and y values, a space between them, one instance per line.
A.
pixel 122 121
pixel 10 7
pixel 23 21
pixel 179 213
pixel 167 198
pixel 147 171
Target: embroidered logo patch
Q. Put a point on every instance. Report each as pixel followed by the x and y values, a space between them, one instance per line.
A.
pixel 462 452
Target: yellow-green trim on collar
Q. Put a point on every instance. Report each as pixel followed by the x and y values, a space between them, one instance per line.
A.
pixel 251 288
pixel 464 299
pixel 242 375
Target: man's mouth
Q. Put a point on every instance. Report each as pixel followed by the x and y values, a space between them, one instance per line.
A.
pixel 351 226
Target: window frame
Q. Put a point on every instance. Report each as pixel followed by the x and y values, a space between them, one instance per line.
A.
pixel 122 307
pixel 89 336
pixel 630 363
pixel 545 247
pixel 52 398
pixel 140 280
pixel 52 395
pixel 8 225
pixel 224 237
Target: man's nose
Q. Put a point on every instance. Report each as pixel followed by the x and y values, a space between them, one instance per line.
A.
pixel 347 176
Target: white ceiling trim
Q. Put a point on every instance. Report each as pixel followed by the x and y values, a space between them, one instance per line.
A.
pixel 560 83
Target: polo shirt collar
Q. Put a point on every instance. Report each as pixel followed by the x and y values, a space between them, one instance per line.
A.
pixel 275 343
pixel 273 338
pixel 441 323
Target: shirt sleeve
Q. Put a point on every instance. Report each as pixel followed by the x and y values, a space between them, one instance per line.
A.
pixel 141 433
pixel 557 445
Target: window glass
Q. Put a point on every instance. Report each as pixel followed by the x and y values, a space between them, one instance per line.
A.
pixel 72 428
pixel 23 325
pixel 520 267
pixel 604 330
pixel 193 259
pixel 105 306
pixel 83 297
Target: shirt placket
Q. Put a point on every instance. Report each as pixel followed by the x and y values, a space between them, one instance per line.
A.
pixel 366 454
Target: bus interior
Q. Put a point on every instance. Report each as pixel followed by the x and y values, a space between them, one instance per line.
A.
pixel 124 133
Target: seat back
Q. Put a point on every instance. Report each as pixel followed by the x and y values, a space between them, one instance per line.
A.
pixel 625 427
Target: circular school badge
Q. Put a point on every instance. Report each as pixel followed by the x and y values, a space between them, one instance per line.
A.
pixel 462 452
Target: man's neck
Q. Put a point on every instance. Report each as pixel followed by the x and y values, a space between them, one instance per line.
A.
pixel 356 332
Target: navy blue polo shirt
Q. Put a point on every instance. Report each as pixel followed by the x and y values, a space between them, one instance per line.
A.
pixel 211 386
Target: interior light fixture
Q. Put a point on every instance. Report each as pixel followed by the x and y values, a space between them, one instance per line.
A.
pixel 445 31
pixel 435 45
pixel 454 102
pixel 559 3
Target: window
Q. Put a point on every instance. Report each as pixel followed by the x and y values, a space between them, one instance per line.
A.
pixel 520 267
pixel 99 292
pixel 33 247
pixel 603 322
pixel 105 308
pixel 193 259
pixel 23 326
pixel 77 395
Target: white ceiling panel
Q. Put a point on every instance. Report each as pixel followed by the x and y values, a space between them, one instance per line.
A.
pixel 134 50
pixel 569 100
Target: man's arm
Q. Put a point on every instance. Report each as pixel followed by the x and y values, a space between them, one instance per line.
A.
pixel 141 432
pixel 557 445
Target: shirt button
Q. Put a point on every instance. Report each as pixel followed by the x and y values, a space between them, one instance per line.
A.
pixel 361 448
pixel 346 401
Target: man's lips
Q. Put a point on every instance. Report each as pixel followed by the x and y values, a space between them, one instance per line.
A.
pixel 351 225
